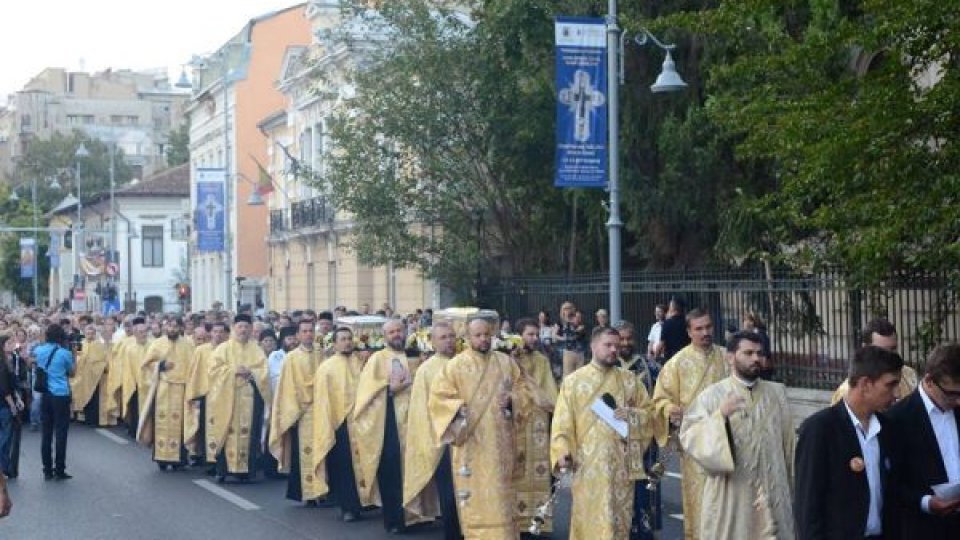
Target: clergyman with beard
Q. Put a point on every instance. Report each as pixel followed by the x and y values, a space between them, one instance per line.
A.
pixel 684 376
pixel 167 367
pixel 380 414
pixel 740 431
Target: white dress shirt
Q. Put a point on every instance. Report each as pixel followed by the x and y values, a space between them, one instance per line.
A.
pixel 274 366
pixel 944 425
pixel 654 335
pixel 870 447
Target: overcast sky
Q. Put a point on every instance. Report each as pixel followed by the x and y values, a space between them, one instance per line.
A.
pixel 96 34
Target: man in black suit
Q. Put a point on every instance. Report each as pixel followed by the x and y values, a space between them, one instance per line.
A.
pixel 927 430
pixel 843 463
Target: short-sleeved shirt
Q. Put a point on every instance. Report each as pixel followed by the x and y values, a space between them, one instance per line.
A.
pixel 60 365
pixel 674 335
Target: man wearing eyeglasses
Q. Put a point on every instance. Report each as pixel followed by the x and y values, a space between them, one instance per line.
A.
pixel 928 428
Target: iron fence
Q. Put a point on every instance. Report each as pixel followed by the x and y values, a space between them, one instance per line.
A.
pixel 813 321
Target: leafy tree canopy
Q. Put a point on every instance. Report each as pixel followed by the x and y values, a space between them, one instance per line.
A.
pixel 55 157
pixel 178 148
pixel 852 109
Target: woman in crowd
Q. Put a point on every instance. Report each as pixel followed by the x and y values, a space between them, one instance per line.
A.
pixel 8 405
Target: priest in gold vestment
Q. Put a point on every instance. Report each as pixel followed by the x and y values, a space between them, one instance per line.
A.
pixel 132 352
pixel 532 477
pixel 426 461
pixel 239 388
pixel 605 463
pixel 880 332
pixel 473 403
pixel 198 384
pixel 89 386
pixel 167 366
pixel 291 418
pixel 334 390
pixel 740 430
pixel 114 383
pixel 681 380
pixel 380 421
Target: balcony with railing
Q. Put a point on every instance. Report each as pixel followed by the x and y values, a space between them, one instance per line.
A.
pixel 311 213
pixel 302 214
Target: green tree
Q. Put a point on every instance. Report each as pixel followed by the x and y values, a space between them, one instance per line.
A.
pixel 56 158
pixel 850 111
pixel 20 214
pixel 446 167
pixel 178 147
pixel 457 127
pixel 46 160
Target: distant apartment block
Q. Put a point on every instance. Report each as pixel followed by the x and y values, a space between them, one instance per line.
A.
pixel 136 110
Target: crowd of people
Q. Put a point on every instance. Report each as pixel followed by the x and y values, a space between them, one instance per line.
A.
pixel 485 426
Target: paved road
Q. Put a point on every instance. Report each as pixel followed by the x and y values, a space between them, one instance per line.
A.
pixel 118 493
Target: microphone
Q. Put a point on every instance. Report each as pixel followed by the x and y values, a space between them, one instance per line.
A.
pixel 609 400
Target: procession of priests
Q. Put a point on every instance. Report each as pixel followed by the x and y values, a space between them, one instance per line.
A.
pixel 467 427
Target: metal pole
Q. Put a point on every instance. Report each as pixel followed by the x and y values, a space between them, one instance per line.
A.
pixel 76 236
pixel 228 186
pixel 36 265
pixel 113 213
pixel 614 224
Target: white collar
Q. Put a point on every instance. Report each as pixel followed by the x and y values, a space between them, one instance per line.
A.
pixel 748 385
pixel 928 403
pixel 874 422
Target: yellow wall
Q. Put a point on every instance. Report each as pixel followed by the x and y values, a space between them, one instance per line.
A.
pixel 356 284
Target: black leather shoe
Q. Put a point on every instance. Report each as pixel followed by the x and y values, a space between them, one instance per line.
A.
pixel 48 476
pixel 349 517
pixel 62 476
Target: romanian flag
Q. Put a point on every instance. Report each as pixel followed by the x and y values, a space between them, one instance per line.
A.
pixel 264 180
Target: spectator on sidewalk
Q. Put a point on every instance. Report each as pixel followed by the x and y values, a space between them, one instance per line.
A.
pixel 55 358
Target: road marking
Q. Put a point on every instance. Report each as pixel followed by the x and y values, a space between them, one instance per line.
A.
pixel 676 475
pixel 676 516
pixel 112 436
pixel 226 495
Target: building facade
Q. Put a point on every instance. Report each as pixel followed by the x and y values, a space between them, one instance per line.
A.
pixel 310 262
pixel 130 256
pixel 233 90
pixel 136 111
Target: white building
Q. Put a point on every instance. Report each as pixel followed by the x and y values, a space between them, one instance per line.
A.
pixel 149 235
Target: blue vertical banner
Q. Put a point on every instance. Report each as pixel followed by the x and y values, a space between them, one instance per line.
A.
pixel 581 51
pixel 28 258
pixel 209 211
pixel 56 241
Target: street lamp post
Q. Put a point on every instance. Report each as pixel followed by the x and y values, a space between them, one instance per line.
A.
pixel 667 81
pixel 78 233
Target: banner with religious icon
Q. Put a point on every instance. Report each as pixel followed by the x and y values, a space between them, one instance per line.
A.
pixel 54 252
pixel 28 258
pixel 581 56
pixel 209 211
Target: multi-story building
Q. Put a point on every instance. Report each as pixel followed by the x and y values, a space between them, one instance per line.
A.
pixel 233 89
pixel 310 261
pixel 134 110
pixel 146 229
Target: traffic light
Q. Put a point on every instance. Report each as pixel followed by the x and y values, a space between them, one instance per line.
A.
pixel 183 291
